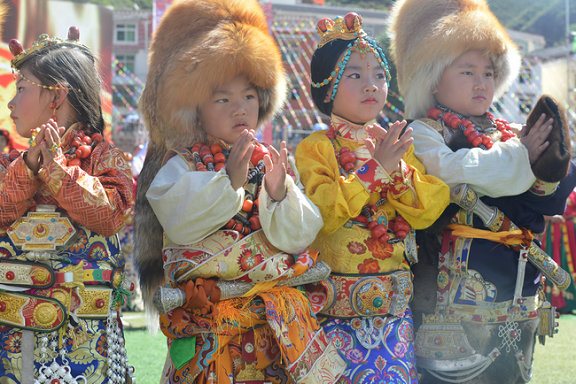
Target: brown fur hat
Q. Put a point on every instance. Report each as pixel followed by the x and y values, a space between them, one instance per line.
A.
pixel 199 45
pixel 428 35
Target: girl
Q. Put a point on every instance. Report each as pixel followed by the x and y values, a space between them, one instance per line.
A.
pixel 236 227
pixel 62 203
pixel 449 78
pixel 372 193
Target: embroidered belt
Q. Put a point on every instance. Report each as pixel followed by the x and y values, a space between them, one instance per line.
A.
pixel 25 274
pixel 374 295
pixel 46 314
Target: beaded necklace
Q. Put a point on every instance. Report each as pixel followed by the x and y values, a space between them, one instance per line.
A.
pixel 213 158
pixel 79 146
pixel 458 122
pixel 380 228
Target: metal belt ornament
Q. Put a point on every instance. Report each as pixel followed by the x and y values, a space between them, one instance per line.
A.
pixel 43 230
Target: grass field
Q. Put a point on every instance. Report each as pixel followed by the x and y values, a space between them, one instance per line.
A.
pixel 554 363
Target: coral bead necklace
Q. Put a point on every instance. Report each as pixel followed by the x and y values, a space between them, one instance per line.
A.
pixel 213 158
pixel 380 228
pixel 457 122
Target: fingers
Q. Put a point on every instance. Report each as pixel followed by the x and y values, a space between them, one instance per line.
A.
pixel 371 147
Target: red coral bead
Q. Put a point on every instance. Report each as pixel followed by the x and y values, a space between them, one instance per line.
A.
pixel 247 205
pixel 216 148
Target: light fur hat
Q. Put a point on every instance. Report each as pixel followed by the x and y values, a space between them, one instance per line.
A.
pixel 428 35
pixel 198 46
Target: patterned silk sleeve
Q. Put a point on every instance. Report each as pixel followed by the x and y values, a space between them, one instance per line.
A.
pixel 99 195
pixel 17 188
pixel 418 197
pixel 337 198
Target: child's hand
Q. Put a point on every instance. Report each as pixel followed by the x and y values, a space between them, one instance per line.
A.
pixel 390 146
pixel 535 141
pixel 239 158
pixel 276 165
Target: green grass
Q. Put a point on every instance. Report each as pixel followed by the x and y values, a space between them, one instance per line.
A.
pixel 554 363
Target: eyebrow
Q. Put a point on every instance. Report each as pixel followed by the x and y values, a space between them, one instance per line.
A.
pixel 224 92
pixel 471 65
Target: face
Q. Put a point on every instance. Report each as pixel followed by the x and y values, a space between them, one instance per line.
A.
pixel 467 85
pixel 30 107
pixel 362 89
pixel 232 108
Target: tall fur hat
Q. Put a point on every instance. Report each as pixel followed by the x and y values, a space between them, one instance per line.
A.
pixel 199 45
pixel 428 35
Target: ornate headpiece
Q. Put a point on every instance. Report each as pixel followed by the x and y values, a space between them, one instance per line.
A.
pixel 43 43
pixel 348 27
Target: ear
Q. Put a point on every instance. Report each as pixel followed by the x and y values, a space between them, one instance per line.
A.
pixel 60 96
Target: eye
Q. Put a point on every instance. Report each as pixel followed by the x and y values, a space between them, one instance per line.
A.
pixel 353 76
pixel 489 74
pixel 467 73
pixel 221 100
pixel 380 75
pixel 250 96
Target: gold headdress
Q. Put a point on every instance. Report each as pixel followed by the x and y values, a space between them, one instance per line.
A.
pixel 43 43
pixel 428 35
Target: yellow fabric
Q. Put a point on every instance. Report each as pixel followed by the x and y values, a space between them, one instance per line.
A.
pixel 340 199
pixel 516 237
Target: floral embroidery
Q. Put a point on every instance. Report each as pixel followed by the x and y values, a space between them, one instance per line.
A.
pixel 356 248
pixel 380 363
pixel 363 169
pixel 102 345
pixel 14 342
pixel 380 250
pixel 98 252
pixel 80 244
pixel 369 266
pixel 249 260
pixel 341 339
pixel 400 350
pixel 355 356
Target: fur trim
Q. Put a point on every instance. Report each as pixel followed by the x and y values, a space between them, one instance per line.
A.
pixel 428 35
pixel 198 46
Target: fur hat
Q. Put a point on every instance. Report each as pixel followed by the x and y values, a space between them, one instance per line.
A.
pixel 428 35
pixel 199 45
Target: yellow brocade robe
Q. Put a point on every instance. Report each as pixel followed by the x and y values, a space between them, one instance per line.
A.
pixel 350 248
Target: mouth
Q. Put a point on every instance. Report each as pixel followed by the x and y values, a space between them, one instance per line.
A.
pixel 369 100
pixel 241 126
pixel 479 98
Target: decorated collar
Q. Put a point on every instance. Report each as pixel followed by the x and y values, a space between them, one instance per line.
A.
pixel 347 130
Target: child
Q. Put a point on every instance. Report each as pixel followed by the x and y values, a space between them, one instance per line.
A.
pixel 372 193
pixel 62 202
pixel 452 58
pixel 231 216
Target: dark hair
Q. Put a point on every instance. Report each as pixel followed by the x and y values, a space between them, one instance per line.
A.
pixel 72 66
pixel 322 64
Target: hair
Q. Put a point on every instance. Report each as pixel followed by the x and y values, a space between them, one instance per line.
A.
pixel 9 143
pixel 72 66
pixel 322 64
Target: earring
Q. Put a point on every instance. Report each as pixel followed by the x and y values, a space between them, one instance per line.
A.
pixel 53 108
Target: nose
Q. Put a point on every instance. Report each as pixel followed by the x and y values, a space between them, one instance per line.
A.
pixel 240 109
pixel 11 104
pixel 370 87
pixel 480 82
